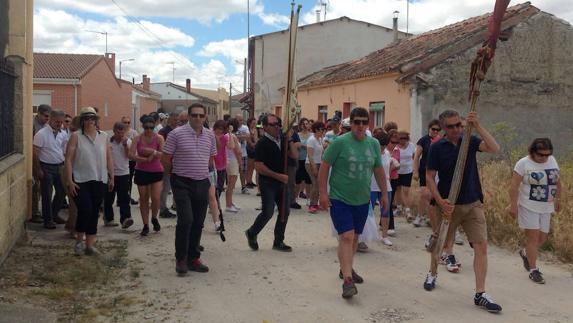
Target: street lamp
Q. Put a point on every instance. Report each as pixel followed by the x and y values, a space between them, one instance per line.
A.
pixel 101 33
pixel 407 14
pixel 124 60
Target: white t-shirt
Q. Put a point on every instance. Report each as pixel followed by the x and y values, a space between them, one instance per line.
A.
pixel 539 184
pixel 316 145
pixel 120 159
pixel 51 146
pixel 386 157
pixel 243 130
pixel 407 159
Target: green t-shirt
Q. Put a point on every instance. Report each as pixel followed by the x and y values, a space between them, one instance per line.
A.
pixel 352 163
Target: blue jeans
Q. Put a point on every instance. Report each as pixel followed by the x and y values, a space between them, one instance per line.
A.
pixel 271 193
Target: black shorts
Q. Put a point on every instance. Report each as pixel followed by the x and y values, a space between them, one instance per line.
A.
pixel 251 153
pixel 144 178
pixel 302 174
pixel 422 177
pixel 405 180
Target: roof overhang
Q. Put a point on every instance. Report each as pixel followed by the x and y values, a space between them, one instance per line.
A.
pixel 58 81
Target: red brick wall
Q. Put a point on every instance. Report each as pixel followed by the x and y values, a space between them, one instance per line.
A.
pixel 99 87
pixel 62 96
pixel 148 105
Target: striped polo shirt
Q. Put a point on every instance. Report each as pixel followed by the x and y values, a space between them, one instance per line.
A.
pixel 191 151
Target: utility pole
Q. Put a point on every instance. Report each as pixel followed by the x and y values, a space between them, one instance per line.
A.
pixel 230 95
pixel 173 66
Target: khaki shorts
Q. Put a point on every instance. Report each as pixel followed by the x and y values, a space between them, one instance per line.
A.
pixel 472 219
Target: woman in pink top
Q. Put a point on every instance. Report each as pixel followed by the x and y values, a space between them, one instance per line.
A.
pixel 146 151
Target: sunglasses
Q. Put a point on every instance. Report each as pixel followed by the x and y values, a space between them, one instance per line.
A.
pixel 394 142
pixel 126 122
pixel 273 124
pixel 90 118
pixel 148 126
pixel 542 155
pixel 358 122
pixel 452 126
pixel 67 121
pixel 404 138
pixel 197 115
pixel 319 129
pixel 435 129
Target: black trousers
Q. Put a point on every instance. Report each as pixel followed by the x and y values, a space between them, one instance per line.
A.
pixel 121 189
pixel 394 185
pixel 271 195
pixel 51 184
pixel 88 200
pixel 192 198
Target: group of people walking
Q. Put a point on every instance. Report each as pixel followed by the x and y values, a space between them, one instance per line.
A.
pixel 341 166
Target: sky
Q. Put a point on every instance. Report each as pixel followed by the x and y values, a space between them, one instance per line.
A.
pixel 206 40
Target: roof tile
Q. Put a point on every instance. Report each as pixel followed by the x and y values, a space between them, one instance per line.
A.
pixel 63 66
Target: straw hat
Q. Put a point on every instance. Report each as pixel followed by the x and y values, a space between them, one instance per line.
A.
pixel 88 111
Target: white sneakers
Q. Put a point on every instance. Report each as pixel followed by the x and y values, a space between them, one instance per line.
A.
pixel 387 242
pixel 232 209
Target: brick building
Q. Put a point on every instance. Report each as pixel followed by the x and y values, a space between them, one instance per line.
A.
pixel 143 101
pixel 72 81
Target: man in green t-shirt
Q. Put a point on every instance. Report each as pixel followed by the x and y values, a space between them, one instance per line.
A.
pixel 353 157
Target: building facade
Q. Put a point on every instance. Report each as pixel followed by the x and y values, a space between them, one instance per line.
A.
pixel 72 81
pixel 318 45
pixel 178 98
pixel 16 64
pixel 528 88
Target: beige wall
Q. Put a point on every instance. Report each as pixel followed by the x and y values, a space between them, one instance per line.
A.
pixel 360 93
pixel 16 170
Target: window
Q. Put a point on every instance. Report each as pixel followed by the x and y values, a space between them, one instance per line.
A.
pixel 376 110
pixel 346 107
pixel 41 97
pixel 322 113
pixel 7 84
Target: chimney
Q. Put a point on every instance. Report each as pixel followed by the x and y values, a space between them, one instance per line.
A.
pixel 145 82
pixel 395 25
pixel 110 60
pixel 317 15
pixel 188 85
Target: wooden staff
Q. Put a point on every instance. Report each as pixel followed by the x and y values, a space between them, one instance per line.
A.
pixel 289 100
pixel 479 68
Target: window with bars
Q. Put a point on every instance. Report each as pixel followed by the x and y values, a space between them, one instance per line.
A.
pixel 7 83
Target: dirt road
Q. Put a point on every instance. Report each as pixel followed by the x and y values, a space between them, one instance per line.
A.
pixel 303 286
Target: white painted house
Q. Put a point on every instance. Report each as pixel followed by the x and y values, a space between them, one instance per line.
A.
pixel 178 98
pixel 318 45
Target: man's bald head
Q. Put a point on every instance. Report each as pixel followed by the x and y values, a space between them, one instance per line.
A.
pixel 183 118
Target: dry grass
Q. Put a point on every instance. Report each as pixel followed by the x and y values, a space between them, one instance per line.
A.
pixel 78 289
pixel 503 229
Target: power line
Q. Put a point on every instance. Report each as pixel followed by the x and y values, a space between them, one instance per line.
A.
pixel 151 35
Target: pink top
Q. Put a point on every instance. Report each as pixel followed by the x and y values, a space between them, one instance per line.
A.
pixel 396 155
pixel 221 157
pixel 153 166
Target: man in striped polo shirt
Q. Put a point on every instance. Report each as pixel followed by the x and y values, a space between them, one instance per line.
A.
pixel 187 153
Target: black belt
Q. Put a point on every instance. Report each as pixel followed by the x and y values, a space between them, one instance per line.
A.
pixel 189 178
pixel 48 164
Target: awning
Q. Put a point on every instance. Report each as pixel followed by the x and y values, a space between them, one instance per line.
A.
pixel 376 107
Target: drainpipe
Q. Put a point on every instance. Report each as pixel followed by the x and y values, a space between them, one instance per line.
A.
pixel 395 25
pixel 76 98
pixel 415 112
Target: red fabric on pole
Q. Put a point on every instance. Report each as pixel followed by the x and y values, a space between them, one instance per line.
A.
pixel 494 25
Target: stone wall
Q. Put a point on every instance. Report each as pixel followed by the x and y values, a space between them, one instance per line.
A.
pixel 529 86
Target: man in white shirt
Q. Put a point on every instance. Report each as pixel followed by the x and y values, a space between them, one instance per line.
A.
pixel 130 133
pixel 40 120
pixel 48 158
pixel 119 151
pixel 243 134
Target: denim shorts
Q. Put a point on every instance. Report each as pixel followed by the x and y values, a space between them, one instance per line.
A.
pixel 347 217
pixel 377 196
